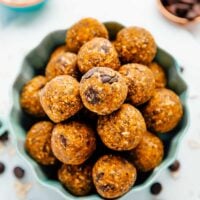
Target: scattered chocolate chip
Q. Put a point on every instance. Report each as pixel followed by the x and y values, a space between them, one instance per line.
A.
pixel 92 96
pixel 175 166
pixel 63 140
pixel 156 188
pixel 182 9
pixel 4 137
pixel 2 168
pixel 181 69
pixel 19 172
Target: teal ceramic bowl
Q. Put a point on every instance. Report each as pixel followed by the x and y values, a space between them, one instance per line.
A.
pixel 35 62
pixel 26 6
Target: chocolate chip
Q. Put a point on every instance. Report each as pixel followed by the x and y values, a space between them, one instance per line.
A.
pixel 182 9
pixel 105 48
pixel 181 69
pixel 99 176
pixel 2 168
pixel 156 188
pixel 89 73
pixel 4 137
pixel 92 96
pixel 108 79
pixel 175 166
pixel 19 172
pixel 107 187
pixel 63 140
pixel 191 15
pixel 188 1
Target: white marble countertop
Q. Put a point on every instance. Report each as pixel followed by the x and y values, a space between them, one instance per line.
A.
pixel 20 32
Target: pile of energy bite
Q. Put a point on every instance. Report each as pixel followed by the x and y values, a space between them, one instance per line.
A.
pixel 103 101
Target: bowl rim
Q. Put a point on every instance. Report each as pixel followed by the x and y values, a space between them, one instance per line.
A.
pixel 174 18
pixel 21 4
pixel 165 163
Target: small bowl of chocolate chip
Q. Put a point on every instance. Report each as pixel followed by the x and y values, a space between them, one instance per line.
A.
pixel 180 11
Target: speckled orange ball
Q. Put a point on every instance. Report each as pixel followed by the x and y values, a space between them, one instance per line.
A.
pixel 62 64
pixel 38 143
pixel 73 142
pixel 123 129
pixel 135 45
pixel 76 178
pixel 103 90
pixel 140 81
pixel 159 74
pixel 96 53
pixel 113 176
pixel 83 31
pixel 60 98
pixel 59 50
pixel 163 111
pixel 29 98
pixel 148 154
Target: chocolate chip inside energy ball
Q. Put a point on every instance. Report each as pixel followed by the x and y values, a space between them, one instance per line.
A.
pixel 4 137
pixel 2 168
pixel 175 166
pixel 156 188
pixel 103 90
pixel 19 172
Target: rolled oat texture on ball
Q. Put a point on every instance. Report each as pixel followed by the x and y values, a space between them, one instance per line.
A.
pixel 62 64
pixel 60 98
pixel 113 176
pixel 148 154
pixel 73 142
pixel 123 129
pixel 97 52
pixel 163 111
pixel 83 31
pixel 76 178
pixel 103 90
pixel 140 81
pixel 38 143
pixel 135 45
pixel 29 98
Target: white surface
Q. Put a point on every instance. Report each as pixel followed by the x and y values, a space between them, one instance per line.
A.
pixel 20 32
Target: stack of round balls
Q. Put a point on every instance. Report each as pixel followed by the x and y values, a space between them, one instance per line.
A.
pixel 98 99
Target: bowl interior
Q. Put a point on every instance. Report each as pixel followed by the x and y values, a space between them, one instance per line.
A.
pixel 34 64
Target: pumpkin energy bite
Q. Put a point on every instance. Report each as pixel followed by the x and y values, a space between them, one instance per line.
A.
pixel 38 143
pixel 76 178
pixel 59 50
pixel 159 75
pixel 62 64
pixel 149 152
pixel 97 52
pixel 113 176
pixel 140 81
pixel 73 142
pixel 83 31
pixel 60 98
pixel 163 111
pixel 29 98
pixel 103 90
pixel 123 129
pixel 135 45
